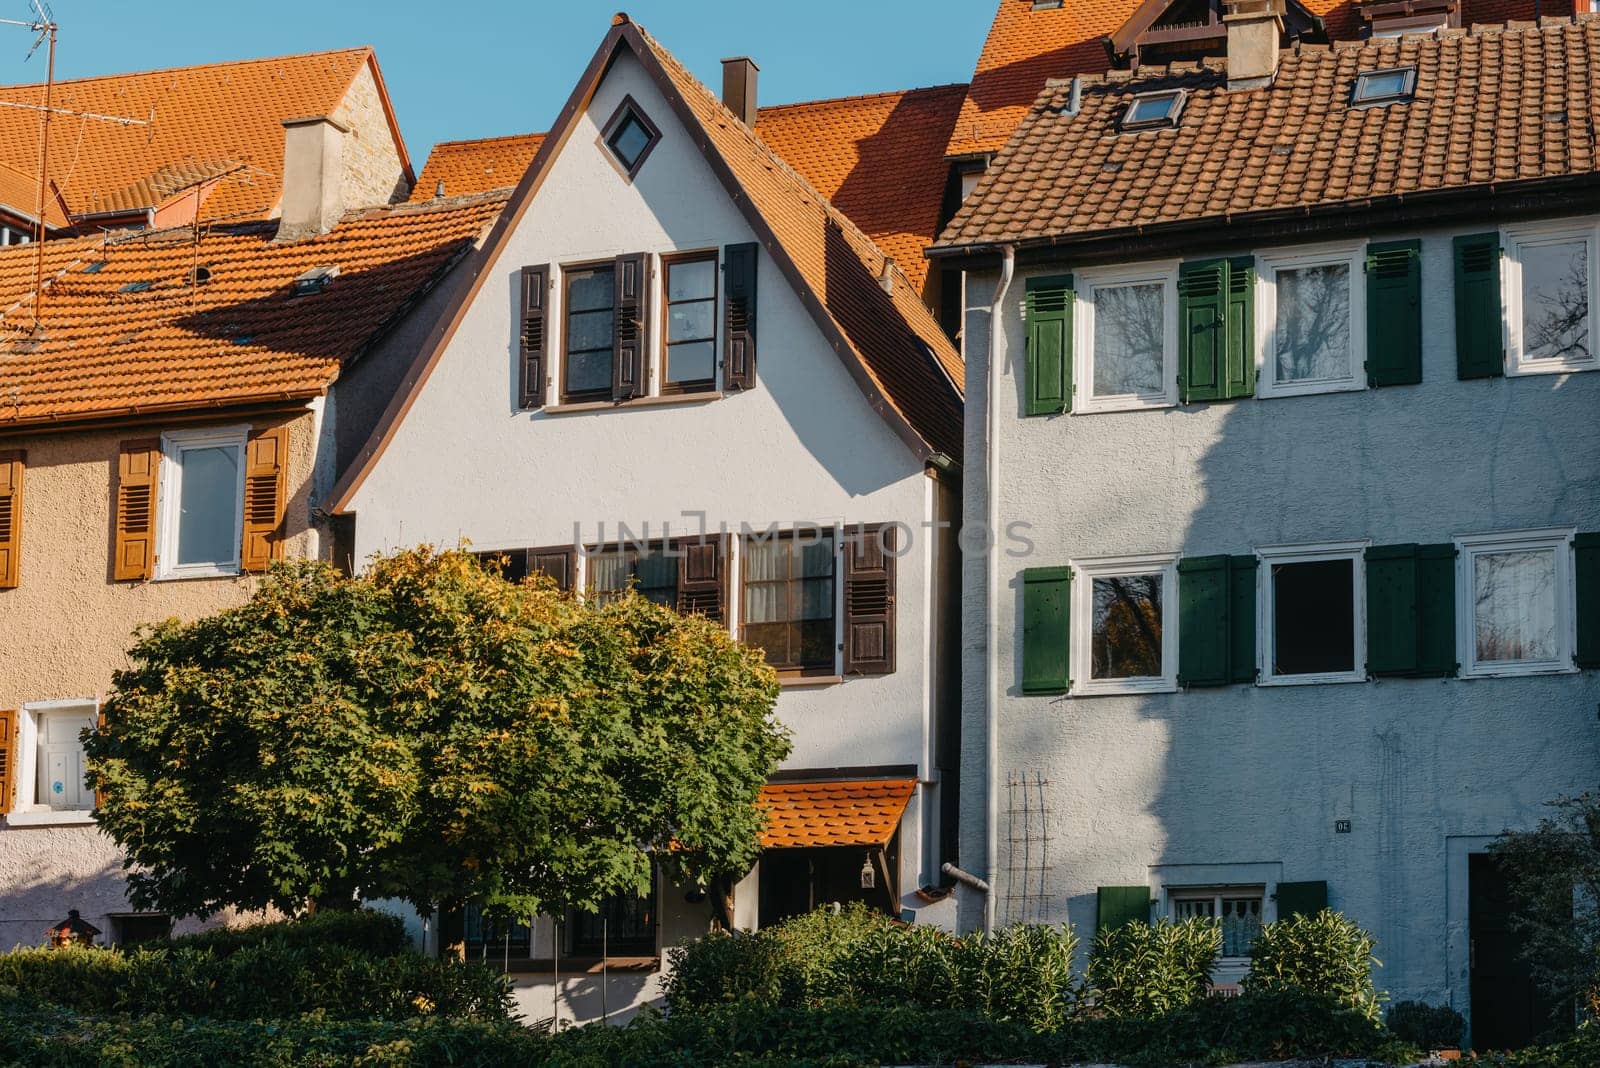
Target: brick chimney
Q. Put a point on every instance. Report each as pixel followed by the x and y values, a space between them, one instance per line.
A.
pixel 1254 28
pixel 313 176
pixel 739 88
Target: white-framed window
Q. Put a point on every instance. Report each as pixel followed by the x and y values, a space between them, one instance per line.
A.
pixel 201 502
pixel 1312 326
pixel 1550 282
pixel 50 786
pixel 1516 596
pixel 1126 328
pixel 1312 613
pixel 1238 911
pixel 1125 625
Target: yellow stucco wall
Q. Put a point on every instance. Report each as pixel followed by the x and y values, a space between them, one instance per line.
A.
pixel 66 628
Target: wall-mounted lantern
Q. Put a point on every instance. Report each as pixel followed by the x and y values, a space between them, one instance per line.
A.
pixel 72 931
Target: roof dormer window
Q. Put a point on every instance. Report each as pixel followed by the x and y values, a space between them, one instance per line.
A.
pixel 1384 86
pixel 1151 110
pixel 630 136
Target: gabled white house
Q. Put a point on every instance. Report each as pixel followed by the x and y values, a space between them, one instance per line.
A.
pixel 679 366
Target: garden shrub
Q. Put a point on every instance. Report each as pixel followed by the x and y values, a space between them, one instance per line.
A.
pixel 1022 974
pixel 1426 1026
pixel 1321 954
pixel 264 981
pixel 1147 969
pixel 381 934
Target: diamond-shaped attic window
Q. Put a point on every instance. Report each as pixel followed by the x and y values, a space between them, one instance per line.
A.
pixel 630 136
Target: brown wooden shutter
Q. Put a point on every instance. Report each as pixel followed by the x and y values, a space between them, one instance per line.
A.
pixel 703 577
pixel 628 339
pixel 266 457
pixel 134 551
pixel 8 758
pixel 556 562
pixel 99 794
pixel 869 632
pixel 11 465
pixel 532 340
pixel 739 316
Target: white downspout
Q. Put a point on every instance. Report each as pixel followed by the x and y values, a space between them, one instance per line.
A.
pixel 991 717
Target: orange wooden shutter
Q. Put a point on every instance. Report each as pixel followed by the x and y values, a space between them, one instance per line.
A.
pixel 100 795
pixel 266 456
pixel 8 758
pixel 11 464
pixel 134 554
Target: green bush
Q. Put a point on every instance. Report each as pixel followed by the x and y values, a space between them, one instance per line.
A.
pixel 381 934
pixel 1582 1050
pixel 265 981
pixel 1322 954
pixel 1427 1026
pixel 1147 969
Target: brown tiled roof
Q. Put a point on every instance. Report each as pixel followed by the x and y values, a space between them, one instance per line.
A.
pixel 476 166
pixel 1491 105
pixel 200 114
pixel 1025 48
pixel 805 815
pixel 879 159
pixel 240 338
pixel 894 339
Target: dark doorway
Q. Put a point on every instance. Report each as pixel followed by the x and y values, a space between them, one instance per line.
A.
pixel 796 881
pixel 1509 1010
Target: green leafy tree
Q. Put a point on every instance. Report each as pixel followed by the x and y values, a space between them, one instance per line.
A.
pixel 432 732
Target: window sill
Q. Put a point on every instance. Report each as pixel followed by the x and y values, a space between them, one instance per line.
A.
pixel 1516 671
pixel 48 818
pixel 798 682
pixel 1103 405
pixel 1309 389
pixel 1528 368
pixel 1312 680
pixel 1126 689
pixel 663 401
pixel 211 573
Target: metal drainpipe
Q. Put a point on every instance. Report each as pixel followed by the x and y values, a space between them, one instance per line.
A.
pixel 991 742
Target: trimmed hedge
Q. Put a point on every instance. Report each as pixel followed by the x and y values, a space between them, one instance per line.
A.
pixel 1147 969
pixel 381 934
pixel 267 980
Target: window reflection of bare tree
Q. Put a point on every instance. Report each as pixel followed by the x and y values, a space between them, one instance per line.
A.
pixel 1515 606
pixel 1313 328
pixel 1129 339
pixel 1127 627
pixel 1558 323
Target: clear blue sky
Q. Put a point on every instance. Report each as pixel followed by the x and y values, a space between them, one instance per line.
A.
pixel 476 68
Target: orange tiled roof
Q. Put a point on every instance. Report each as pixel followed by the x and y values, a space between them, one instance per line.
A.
pixel 897 343
pixel 1490 105
pixel 476 166
pixel 219 111
pixel 1025 48
pixel 879 159
pixel 240 338
pixel 19 194
pixel 803 815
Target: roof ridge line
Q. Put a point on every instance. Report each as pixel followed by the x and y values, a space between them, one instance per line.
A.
pixel 59 82
pixel 851 98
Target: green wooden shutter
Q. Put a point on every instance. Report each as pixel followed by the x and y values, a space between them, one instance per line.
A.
pixel 1203 603
pixel 1586 565
pixel 1239 373
pixel 1436 610
pixel 1392 609
pixel 1119 906
pixel 1047 313
pixel 1202 342
pixel 1046 614
pixel 1394 313
pixel 1242 618
pixel 1301 899
pixel 1480 337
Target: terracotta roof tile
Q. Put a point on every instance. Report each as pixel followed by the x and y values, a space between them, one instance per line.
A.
pixel 1490 106
pixel 219 111
pixel 1025 48
pixel 804 815
pixel 897 342
pixel 477 166
pixel 125 330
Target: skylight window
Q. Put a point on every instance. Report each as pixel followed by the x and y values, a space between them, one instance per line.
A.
pixel 136 287
pixel 1384 86
pixel 1150 110
pixel 95 268
pixel 315 280
pixel 630 136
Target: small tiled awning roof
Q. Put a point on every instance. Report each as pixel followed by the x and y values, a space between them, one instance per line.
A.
pixel 804 815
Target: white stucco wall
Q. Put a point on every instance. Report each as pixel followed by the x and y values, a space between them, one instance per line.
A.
pixel 1424 769
pixel 803 446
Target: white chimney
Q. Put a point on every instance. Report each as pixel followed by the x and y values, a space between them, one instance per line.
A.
pixel 313 176
pixel 1254 28
pixel 739 88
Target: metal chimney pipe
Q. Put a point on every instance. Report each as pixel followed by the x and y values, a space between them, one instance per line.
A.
pixel 739 87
